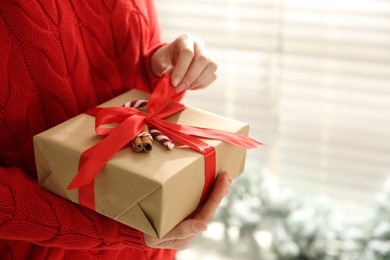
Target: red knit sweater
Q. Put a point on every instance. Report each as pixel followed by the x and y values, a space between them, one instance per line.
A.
pixel 57 59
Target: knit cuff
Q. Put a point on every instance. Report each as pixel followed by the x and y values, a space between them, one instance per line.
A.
pixel 132 238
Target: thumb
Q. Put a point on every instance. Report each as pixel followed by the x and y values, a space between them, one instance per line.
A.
pixel 161 60
pixel 161 68
pixel 168 70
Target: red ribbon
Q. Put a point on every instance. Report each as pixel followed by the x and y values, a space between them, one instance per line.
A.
pixel 131 122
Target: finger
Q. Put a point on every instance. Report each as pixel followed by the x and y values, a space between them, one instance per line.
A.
pixel 205 84
pixel 207 76
pixel 176 244
pixel 184 48
pixel 185 229
pixel 167 70
pixel 161 61
pixel 198 65
pixel 220 190
pixel 208 71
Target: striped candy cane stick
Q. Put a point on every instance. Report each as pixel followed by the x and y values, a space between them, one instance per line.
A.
pixel 139 104
pixel 163 139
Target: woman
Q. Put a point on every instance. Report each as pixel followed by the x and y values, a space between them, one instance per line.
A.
pixel 58 59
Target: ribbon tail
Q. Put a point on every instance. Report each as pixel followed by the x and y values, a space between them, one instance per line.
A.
pixel 174 134
pixel 87 195
pixel 82 179
pixel 233 138
pixel 95 158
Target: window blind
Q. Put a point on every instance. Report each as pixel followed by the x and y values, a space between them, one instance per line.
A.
pixel 312 78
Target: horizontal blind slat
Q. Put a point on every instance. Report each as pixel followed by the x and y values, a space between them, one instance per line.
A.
pixel 312 79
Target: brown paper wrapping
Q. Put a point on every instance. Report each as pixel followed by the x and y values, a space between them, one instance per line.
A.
pixel 151 192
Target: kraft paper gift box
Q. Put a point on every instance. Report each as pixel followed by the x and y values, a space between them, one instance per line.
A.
pixel 151 192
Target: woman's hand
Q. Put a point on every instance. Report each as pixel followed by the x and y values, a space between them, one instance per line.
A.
pixel 188 62
pixel 180 236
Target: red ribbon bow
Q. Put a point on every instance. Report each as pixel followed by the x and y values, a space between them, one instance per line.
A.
pixel 131 122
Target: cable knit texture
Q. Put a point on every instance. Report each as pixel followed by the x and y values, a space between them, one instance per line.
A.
pixel 57 59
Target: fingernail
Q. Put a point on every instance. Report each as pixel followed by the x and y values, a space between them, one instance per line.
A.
pixel 199 226
pixel 175 80
pixel 229 178
pixel 181 87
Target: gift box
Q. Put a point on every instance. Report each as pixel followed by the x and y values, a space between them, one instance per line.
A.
pixel 151 192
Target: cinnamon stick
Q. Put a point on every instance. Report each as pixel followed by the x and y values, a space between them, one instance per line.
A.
pixel 137 144
pixel 143 142
pixel 147 139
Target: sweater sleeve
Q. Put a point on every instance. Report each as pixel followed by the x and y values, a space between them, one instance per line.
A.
pixel 29 213
pixel 153 43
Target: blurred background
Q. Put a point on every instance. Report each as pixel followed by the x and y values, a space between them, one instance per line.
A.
pixel 312 79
